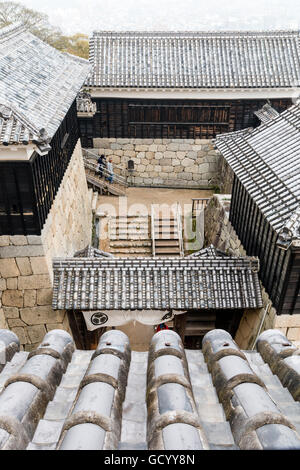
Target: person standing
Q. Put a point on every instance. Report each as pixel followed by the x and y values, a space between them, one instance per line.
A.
pixel 110 170
pixel 101 165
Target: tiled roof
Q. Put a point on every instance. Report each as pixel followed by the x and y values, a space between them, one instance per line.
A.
pixel 156 284
pixel 220 398
pixel 195 59
pixel 267 163
pixel 266 113
pixel 38 84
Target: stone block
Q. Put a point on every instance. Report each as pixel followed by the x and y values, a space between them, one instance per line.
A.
pixel 2 284
pixel 36 281
pixel 31 347
pixel 40 315
pixel 185 147
pixel 173 147
pixel 12 298
pixel 192 155
pixel 4 240
pixel 13 322
pixel 54 326
pixel 11 312
pixel 153 148
pixel 8 267
pixel 21 251
pixel 18 240
pixel 12 283
pixel 141 148
pixel 21 334
pixel 34 240
pixel 44 297
pixel 293 334
pixel 129 154
pixel 149 155
pixel 187 162
pixel 39 265
pixel 169 154
pixel 36 333
pixel 166 161
pixel 3 323
pixel 167 169
pixel 24 266
pixel 115 146
pixel 30 298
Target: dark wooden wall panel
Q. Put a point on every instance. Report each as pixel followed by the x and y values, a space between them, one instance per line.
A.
pixel 279 269
pixel 28 189
pixel 176 119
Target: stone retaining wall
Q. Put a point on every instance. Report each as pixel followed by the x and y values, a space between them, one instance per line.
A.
pixel 219 231
pixel 26 261
pixel 188 163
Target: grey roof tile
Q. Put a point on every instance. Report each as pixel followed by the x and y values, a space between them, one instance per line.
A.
pixel 266 161
pixel 266 113
pixel 38 84
pixel 156 284
pixel 139 59
pixel 175 412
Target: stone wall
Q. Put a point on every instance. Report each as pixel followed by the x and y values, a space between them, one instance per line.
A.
pixel 185 163
pixel 26 261
pixel 68 227
pixel 219 232
pixel 226 176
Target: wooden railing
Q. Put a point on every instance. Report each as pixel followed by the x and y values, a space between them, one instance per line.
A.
pixel 118 169
pixel 179 229
pixel 199 204
pixel 106 174
pixel 153 230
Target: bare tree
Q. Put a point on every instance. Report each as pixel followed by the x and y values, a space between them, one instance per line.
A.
pixel 38 24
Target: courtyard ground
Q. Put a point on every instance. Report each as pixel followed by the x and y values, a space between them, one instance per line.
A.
pixel 140 335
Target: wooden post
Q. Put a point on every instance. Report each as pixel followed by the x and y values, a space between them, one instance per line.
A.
pixel 180 324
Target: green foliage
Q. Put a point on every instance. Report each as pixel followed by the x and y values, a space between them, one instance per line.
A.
pixel 38 24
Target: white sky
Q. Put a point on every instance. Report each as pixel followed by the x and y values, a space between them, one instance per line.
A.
pixel 88 15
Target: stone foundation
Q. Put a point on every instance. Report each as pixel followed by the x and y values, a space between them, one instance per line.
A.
pixel 26 261
pixel 219 231
pixel 189 163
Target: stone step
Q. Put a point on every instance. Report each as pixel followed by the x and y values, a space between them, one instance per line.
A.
pixel 165 219
pixel 135 217
pixel 167 250
pixel 129 228
pixel 127 244
pixel 166 233
pixel 129 232
pixel 131 250
pixel 143 237
pixel 174 242
pixel 171 223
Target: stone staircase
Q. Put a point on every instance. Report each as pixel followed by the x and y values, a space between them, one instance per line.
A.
pixel 101 185
pixel 166 237
pixel 129 236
